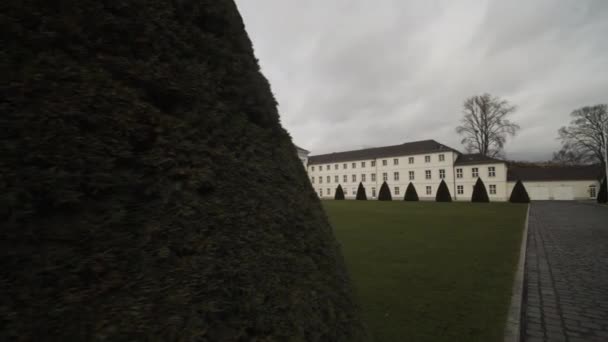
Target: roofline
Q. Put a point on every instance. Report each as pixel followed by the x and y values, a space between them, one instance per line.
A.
pixel 483 162
pixel 553 180
pixel 448 149
pixel 301 149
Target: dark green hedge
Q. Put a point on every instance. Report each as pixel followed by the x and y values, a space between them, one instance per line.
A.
pixel 480 194
pixel 361 195
pixel 519 194
pixel 339 196
pixel 443 193
pixel 148 191
pixel 602 196
pixel 410 193
pixel 385 193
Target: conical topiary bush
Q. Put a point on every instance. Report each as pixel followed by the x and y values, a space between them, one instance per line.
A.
pixel 339 193
pixel 519 194
pixel 443 193
pixel 385 193
pixel 149 192
pixel 480 195
pixel 410 193
pixel 602 196
pixel 361 195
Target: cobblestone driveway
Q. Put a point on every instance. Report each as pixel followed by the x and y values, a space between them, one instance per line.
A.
pixel 566 273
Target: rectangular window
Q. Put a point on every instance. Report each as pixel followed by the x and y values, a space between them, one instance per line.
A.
pixel 313 168
pixel 373 192
pixel 320 180
pixel 373 177
pixel 396 190
pixel 396 161
pixel 460 189
pixel 491 171
pixel 328 191
pixel 320 167
pixel 328 179
pixel 335 166
pixel 427 159
pixel 337 179
pixel 458 173
pixel 385 176
pixel 344 166
pixel 492 189
pixel 411 175
pixel 373 163
pixel 429 190
pixel 384 162
pixel 320 192
pixel 396 176
pixel 312 180
pixel 362 164
pixel 592 191
pixel 441 173
pixel 354 191
pixel 354 177
pixel 475 172
pixel 427 174
pixel 345 178
pixel 410 160
pixel 353 165
pixel 441 157
pixel 363 177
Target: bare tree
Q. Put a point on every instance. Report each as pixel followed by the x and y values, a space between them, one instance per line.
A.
pixel 566 156
pixel 584 139
pixel 485 126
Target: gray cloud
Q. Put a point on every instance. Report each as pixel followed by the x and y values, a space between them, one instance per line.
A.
pixel 353 73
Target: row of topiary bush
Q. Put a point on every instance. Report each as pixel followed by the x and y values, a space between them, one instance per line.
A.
pixel 480 195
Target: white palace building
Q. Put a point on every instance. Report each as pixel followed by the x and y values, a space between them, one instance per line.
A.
pixel 425 163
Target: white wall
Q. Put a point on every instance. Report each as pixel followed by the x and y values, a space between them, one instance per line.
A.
pixel 468 181
pixel 553 190
pixel 402 167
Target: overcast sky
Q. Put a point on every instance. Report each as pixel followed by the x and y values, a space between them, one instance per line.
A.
pixel 349 74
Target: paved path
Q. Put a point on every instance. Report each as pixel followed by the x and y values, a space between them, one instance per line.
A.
pixel 566 273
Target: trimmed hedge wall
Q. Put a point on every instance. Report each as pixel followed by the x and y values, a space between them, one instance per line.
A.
pixel 385 193
pixel 361 195
pixel 149 191
pixel 602 196
pixel 443 193
pixel 480 194
pixel 410 193
pixel 519 193
pixel 339 196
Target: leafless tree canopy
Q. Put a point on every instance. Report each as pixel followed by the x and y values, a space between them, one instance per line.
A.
pixel 584 140
pixel 485 126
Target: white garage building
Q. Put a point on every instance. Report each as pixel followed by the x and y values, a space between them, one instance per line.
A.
pixel 556 182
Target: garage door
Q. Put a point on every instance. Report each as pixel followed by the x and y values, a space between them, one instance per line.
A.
pixel 563 193
pixel 538 193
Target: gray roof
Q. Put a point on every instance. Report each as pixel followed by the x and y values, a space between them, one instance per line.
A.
pixel 476 158
pixel 416 147
pixel 554 173
pixel 301 149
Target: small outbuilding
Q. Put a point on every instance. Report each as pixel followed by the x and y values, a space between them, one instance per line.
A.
pixel 553 182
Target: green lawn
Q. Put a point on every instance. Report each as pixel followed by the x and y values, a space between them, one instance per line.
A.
pixel 428 271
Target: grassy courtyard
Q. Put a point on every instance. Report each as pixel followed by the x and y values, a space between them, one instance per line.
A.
pixel 431 271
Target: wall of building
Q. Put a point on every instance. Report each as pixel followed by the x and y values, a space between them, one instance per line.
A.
pixel 558 190
pixel 499 181
pixel 397 186
pixel 303 155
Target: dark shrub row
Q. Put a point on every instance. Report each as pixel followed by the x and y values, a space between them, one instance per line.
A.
pixel 480 194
